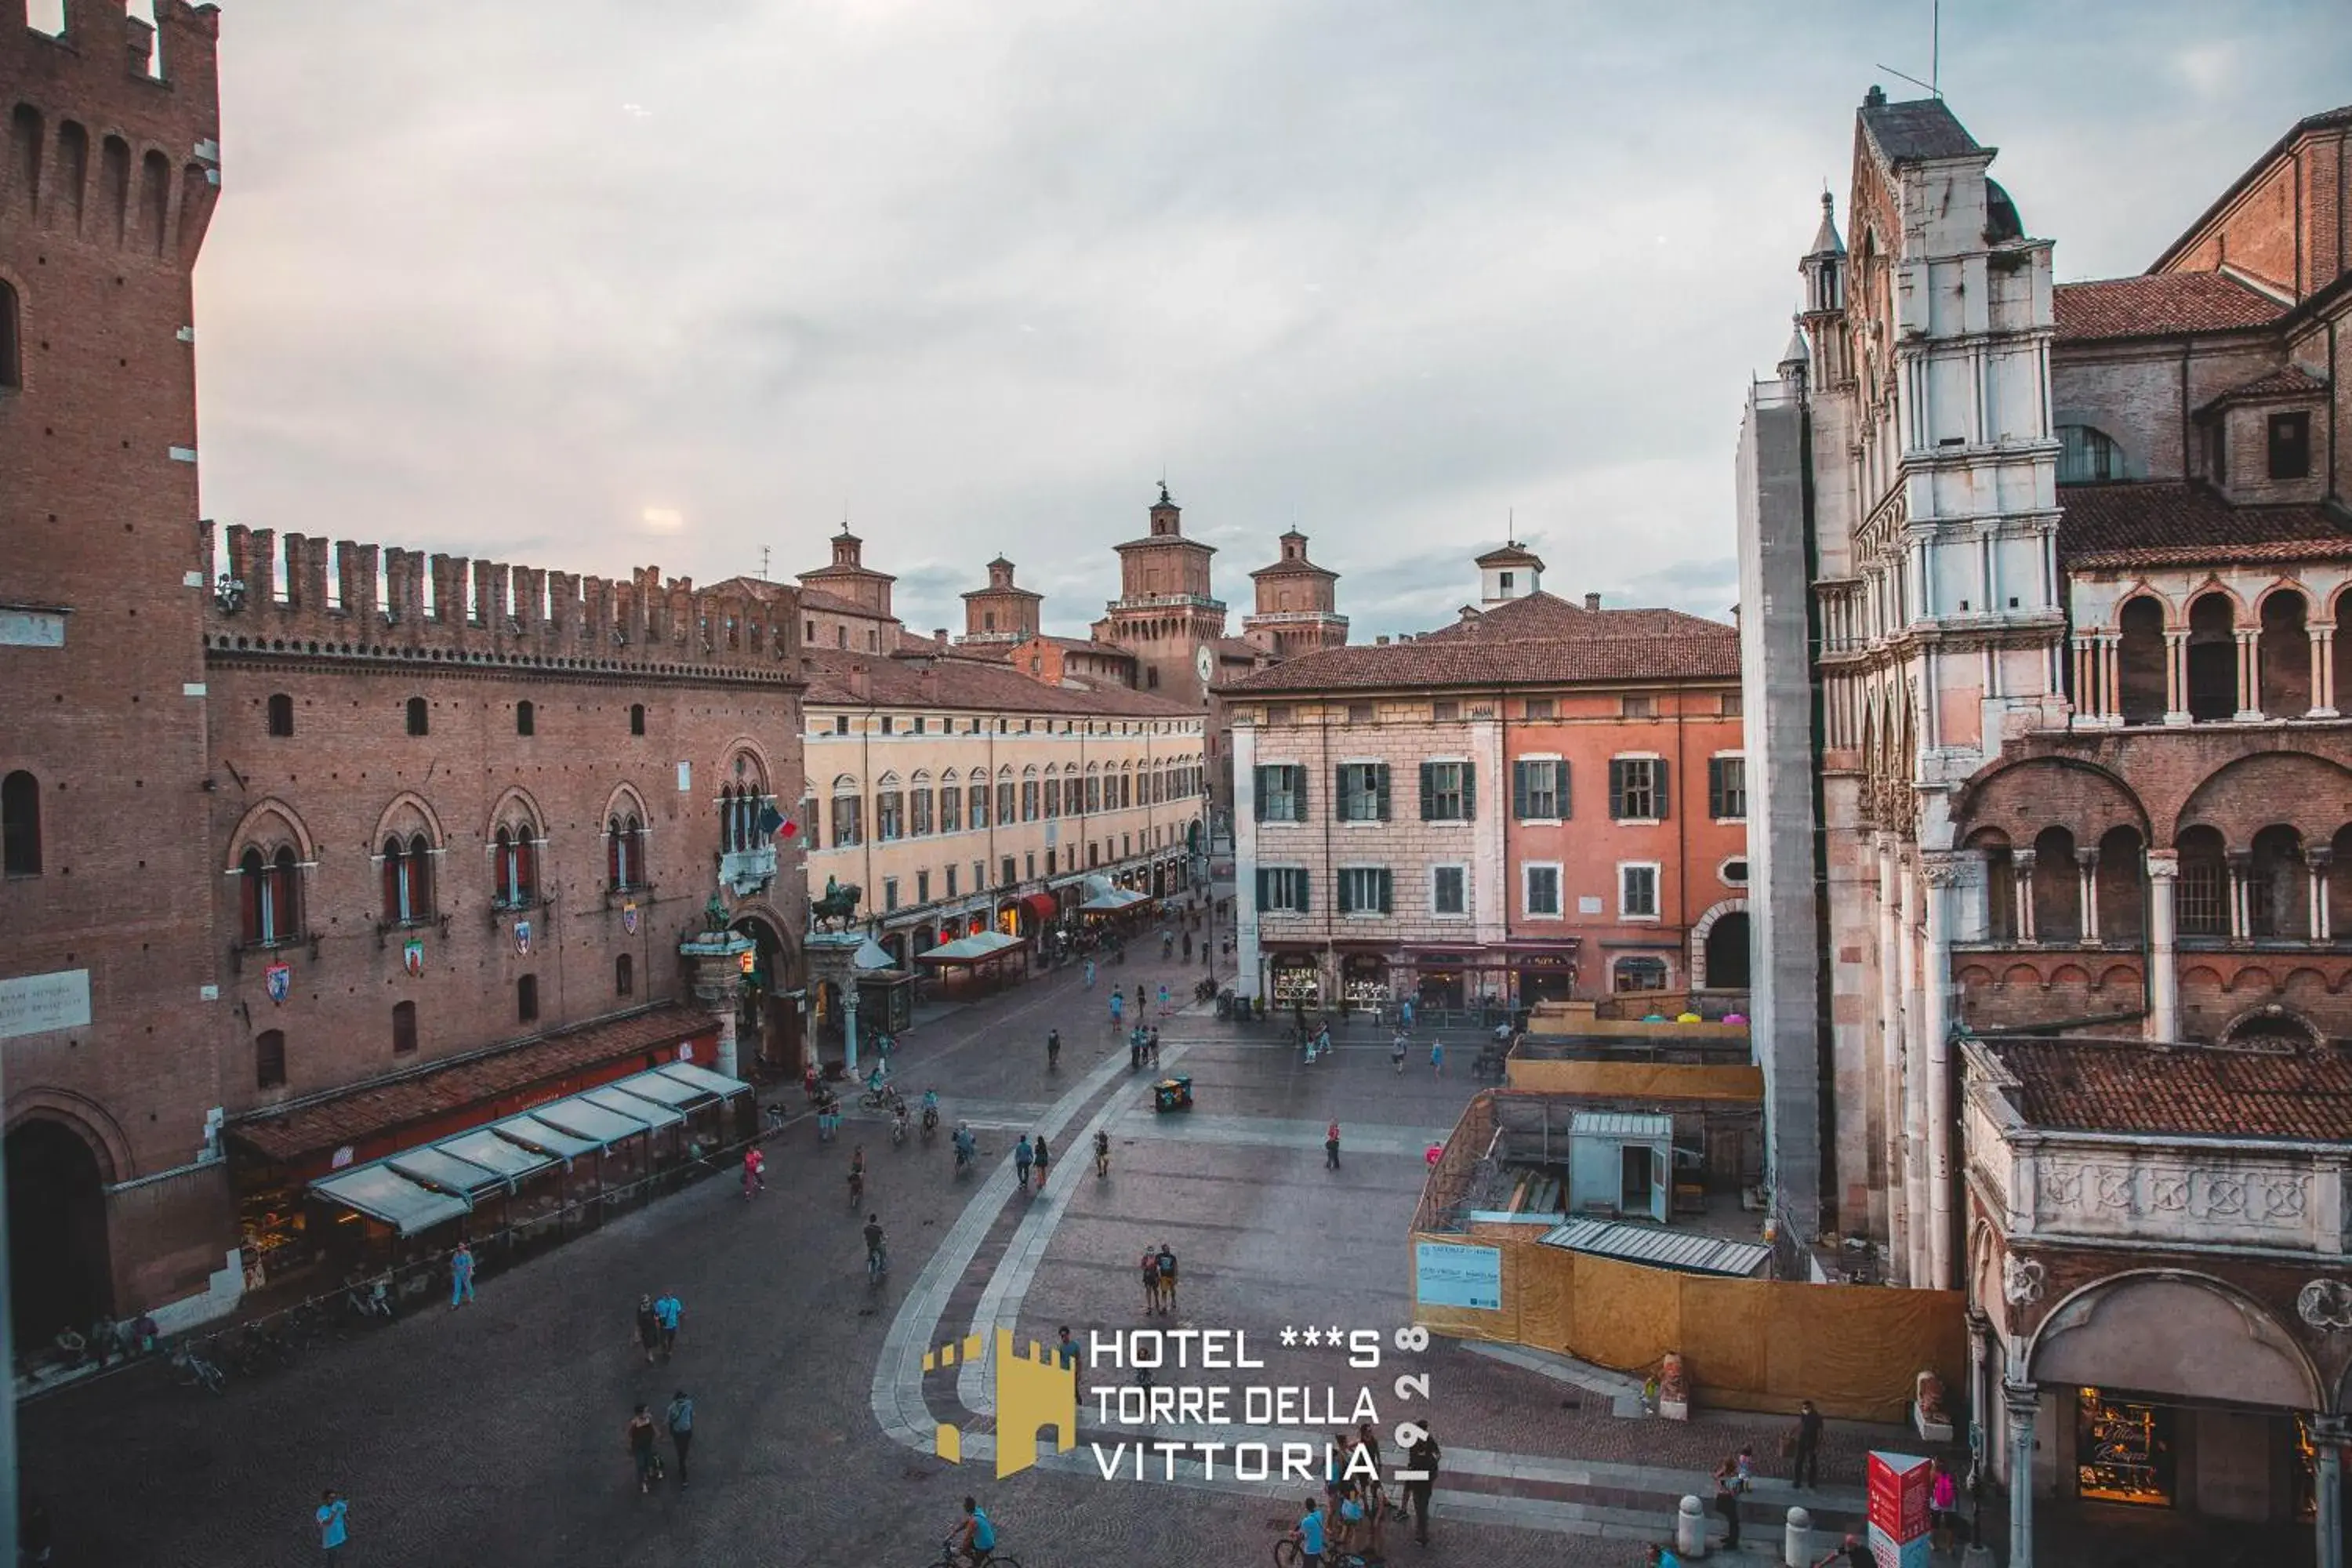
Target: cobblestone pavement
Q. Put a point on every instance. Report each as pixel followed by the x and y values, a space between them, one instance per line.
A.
pixel 493 1435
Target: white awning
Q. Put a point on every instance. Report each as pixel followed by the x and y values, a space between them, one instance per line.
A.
pixel 965 949
pixel 704 1078
pixel 533 1133
pixel 659 1087
pixel 484 1148
pixel 1115 899
pixel 585 1119
pixel 652 1112
pixel 1620 1124
pixel 381 1193
pixel 439 1168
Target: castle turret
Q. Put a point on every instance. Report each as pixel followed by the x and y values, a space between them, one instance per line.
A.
pixel 1298 604
pixel 1165 614
pixel 849 577
pixel 1002 612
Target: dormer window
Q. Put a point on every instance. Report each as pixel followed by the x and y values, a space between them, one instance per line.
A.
pixel 2086 457
pixel 2290 445
pixel 1506 578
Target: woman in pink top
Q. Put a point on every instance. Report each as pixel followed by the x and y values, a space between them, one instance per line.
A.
pixel 1941 1498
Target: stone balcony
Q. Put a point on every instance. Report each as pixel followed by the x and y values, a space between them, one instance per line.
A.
pixel 746 872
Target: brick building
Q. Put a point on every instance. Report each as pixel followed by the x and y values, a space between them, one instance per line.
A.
pixel 1542 801
pixel 108 957
pixel 2069 561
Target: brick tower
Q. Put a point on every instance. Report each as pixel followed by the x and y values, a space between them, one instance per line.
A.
pixel 1298 604
pixel 107 955
pixel 1165 614
pixel 1000 614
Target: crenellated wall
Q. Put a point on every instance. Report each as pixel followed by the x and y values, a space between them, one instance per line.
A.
pixel 382 602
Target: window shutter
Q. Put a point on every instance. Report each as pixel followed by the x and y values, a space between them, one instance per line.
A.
pixel 1381 791
pixel 1262 876
pixel 1469 791
pixel 1340 789
pixel 1428 790
pixel 1616 789
pixel 1559 784
pixel 1520 790
pixel 1388 891
pixel 1346 904
pixel 1305 890
pixel 1715 786
pixel 1297 793
pixel 1658 790
pixel 1257 806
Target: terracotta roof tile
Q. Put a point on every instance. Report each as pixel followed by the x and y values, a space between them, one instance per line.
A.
pixel 1550 615
pixel 2155 524
pixel 2134 1087
pixel 497 1076
pixel 960 683
pixel 2159 305
pixel 2289 382
pixel 1710 655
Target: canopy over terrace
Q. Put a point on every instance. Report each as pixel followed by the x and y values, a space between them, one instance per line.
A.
pixel 984 955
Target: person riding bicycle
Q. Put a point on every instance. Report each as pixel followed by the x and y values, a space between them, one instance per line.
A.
pixel 973 1538
pixel 1053 1047
pixel 930 1109
pixel 879 1077
pixel 876 1258
pixel 898 1119
pixel 967 1147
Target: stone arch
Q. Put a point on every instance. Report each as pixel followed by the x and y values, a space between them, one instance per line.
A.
pixel 60 1272
pixel 85 1118
pixel 269 825
pixel 749 748
pixel 2177 1332
pixel 2270 1021
pixel 1705 928
pixel 516 805
pixel 623 801
pixel 2283 651
pixel 408 809
pixel 2143 650
pixel 1985 1293
pixel 2119 977
pixel 2020 974
pixel 2214 683
pixel 2018 799
pixel 2242 797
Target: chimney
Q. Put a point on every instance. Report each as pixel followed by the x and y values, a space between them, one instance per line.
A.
pixel 858 686
pixel 1379 642
pixel 1591 601
pixel 939 635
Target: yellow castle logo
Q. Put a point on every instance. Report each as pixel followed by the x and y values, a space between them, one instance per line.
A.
pixel 1031 1393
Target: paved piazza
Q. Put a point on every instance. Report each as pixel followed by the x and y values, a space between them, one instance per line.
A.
pixel 493 1435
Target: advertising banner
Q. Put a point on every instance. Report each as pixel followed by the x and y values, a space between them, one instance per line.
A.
pixel 1449 1276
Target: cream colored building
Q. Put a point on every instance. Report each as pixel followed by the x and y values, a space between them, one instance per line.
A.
pixel 959 795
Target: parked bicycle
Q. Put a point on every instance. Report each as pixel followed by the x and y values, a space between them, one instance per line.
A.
pixel 195 1371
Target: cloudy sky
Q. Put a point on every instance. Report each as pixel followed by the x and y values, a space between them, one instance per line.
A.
pixel 616 283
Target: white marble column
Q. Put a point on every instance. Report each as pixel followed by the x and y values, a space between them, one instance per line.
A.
pixel 2239 862
pixel 2086 862
pixel 2021 1405
pixel 1890 1056
pixel 1916 1200
pixel 2022 862
pixel 2111 692
pixel 2329 1436
pixel 1942 874
pixel 2323 673
pixel 2320 858
pixel 2176 676
pixel 2163 969
pixel 2250 675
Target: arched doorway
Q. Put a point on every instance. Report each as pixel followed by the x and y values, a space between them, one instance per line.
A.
pixel 768 1023
pixel 1726 952
pixel 58 1275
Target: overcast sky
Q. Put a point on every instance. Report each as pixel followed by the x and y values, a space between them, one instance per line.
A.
pixel 613 283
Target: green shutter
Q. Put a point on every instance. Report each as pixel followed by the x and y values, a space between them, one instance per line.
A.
pixel 1658 777
pixel 1340 789
pixel 1559 784
pixel 1388 892
pixel 1347 905
pixel 1519 771
pixel 1616 789
pixel 1258 802
pixel 1469 792
pixel 1305 890
pixel 1261 875
pixel 1715 786
pixel 1428 791
pixel 1297 793
pixel 1381 791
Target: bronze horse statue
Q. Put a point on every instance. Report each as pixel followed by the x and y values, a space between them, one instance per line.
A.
pixel 839 904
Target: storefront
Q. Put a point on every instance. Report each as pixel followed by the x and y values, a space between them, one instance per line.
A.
pixel 1364 982
pixel 1442 981
pixel 2125 1450
pixel 1294 979
pixel 1545 976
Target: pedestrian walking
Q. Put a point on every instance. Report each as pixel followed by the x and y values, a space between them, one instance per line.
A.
pixel 1331 1146
pixel 1066 1350
pixel 1396 1053
pixel 680 1420
pixel 648 1328
pixel 1053 1049
pixel 1155 1047
pixel 1943 1499
pixel 668 1310
pixel 1726 1501
pixel 1404 1012
pixel 1024 1156
pixel 1134 1050
pixel 1808 1446
pixel 639 1434
pixel 1150 1281
pixel 1141 1003
pixel 1166 1260
pixel 1117 1010
pixel 755 1171
pixel 1188 946
pixel 1163 998
pixel 461 1276
pixel 1090 979
pixel 1102 1154
pixel 334 1525
pixel 1437 1058
pixel 1045 1158
pixel 1422 1459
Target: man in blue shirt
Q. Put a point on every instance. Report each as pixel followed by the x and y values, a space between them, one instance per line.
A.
pixel 332 1531
pixel 974 1536
pixel 669 1310
pixel 1310 1535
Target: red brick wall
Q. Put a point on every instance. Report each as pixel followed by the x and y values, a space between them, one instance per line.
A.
pixel 350 758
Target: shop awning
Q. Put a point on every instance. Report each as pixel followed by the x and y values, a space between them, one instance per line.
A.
pixel 384 1193
pixel 702 1078
pixel 663 1090
pixel 978 948
pixel 585 1119
pixel 871 956
pixel 1043 905
pixel 1115 899
pixel 532 1133
pixel 652 1112
pixel 492 1152
pixel 439 1167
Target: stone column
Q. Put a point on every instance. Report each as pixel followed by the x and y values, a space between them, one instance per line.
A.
pixel 2323 673
pixel 2163 971
pixel 1890 1052
pixel 1943 873
pixel 2022 1403
pixel 715 958
pixel 1980 1384
pixel 2022 862
pixel 2087 863
pixel 2250 675
pixel 2241 863
pixel 2086 702
pixel 1916 1199
pixel 2176 676
pixel 2319 858
pixel 2111 700
pixel 2329 1436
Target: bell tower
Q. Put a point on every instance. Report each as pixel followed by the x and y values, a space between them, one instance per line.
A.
pixel 1165 614
pixel 1298 604
pixel 1002 613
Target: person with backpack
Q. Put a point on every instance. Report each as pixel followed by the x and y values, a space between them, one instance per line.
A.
pixel 680 1420
pixel 1165 1261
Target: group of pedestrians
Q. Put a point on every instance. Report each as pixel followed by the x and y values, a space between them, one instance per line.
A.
pixel 645 1451
pixel 1158 1268
pixel 1143 1047
pixel 656 1324
pixel 1032 1152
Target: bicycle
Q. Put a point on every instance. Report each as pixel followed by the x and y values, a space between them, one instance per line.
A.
pixel 948 1558
pixel 195 1371
pixel 1289 1552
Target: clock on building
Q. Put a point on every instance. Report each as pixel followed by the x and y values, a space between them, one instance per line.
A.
pixel 1206 663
